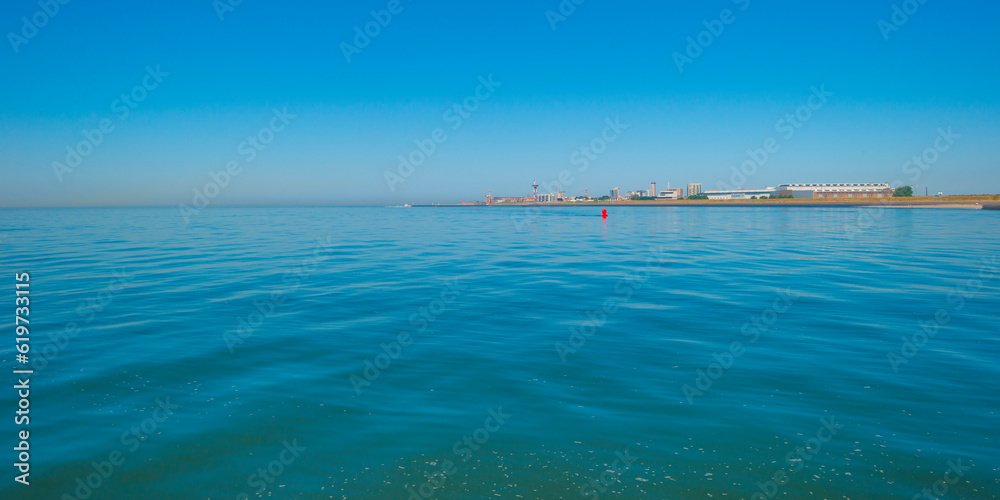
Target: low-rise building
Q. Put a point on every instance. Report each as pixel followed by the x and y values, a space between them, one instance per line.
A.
pixel 740 194
pixel 670 194
pixel 837 190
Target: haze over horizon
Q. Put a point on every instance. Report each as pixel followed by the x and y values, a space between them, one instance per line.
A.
pixel 304 110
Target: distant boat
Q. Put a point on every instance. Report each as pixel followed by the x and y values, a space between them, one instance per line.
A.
pixel 407 205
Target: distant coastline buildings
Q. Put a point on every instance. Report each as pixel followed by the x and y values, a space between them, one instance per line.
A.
pixel 811 191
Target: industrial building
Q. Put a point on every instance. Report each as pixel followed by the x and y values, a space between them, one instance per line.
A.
pixel 843 190
pixel 740 194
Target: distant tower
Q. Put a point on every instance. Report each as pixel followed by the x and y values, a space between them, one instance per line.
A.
pixel 654 189
pixel 585 195
pixel 535 186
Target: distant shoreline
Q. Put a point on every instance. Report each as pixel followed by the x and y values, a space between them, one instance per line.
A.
pixel 955 202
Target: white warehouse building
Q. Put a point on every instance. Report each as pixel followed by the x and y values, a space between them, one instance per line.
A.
pixel 837 190
pixel 740 194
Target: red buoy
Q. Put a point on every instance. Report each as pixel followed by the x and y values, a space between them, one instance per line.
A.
pixel 604 214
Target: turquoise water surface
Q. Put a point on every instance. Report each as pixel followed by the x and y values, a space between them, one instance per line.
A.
pixel 674 353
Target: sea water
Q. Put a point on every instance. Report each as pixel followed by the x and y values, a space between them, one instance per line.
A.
pixel 676 353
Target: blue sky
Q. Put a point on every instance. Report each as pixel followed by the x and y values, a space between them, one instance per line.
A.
pixel 344 124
